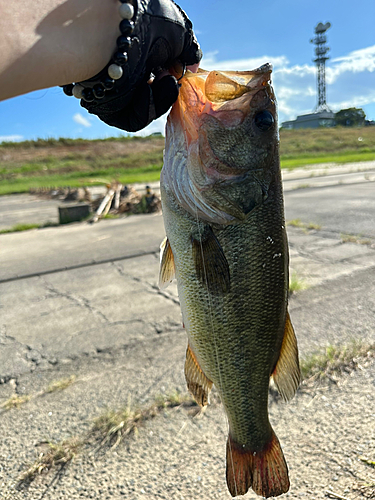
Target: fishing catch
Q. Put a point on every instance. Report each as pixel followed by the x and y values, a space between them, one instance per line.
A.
pixel 227 247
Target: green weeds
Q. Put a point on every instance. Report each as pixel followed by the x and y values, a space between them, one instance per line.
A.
pixel 335 360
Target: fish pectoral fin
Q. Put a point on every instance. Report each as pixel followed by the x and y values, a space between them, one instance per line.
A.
pixel 287 374
pixel 197 382
pixel 167 267
pixel 211 265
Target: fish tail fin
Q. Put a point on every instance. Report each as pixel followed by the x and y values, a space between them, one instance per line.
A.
pixel 264 471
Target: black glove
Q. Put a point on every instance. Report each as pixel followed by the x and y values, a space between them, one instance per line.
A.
pixel 162 35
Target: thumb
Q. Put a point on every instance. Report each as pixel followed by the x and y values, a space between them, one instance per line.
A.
pixel 165 93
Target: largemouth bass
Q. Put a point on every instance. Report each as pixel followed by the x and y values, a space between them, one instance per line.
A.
pixel 227 246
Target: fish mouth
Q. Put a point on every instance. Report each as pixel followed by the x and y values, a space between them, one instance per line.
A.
pixel 222 103
pixel 216 92
pixel 223 86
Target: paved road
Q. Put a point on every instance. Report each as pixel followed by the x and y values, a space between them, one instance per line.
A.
pixel 337 207
pixel 104 320
pixel 73 290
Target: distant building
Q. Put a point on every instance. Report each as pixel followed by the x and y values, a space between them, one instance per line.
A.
pixel 322 116
pixel 312 120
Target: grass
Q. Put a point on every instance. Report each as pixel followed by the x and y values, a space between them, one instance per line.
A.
pixel 349 157
pixel 367 461
pixel 15 401
pixel 113 425
pixel 23 183
pixel 60 385
pixel 352 238
pixel 303 225
pixel 26 227
pixel 335 360
pixel 53 455
pixel 77 162
pixel 296 284
pixel 110 429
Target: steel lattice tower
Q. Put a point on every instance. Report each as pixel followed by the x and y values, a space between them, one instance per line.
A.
pixel 321 57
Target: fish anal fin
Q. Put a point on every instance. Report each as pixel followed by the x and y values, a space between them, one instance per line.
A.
pixel 167 267
pixel 197 382
pixel 264 471
pixel 211 265
pixel 287 374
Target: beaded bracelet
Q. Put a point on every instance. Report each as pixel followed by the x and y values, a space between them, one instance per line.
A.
pixel 114 67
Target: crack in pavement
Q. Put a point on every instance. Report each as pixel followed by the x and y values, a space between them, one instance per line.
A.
pixel 4 338
pixel 78 300
pixel 150 288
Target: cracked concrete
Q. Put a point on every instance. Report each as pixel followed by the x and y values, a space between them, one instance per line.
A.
pixel 65 316
pixel 82 312
pixel 109 325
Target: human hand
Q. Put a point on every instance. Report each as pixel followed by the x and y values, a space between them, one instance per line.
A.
pixel 161 37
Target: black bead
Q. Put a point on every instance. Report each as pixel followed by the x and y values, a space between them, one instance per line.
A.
pixel 88 95
pixel 68 89
pixel 126 27
pixel 120 58
pixel 264 120
pixel 124 43
pixel 108 83
pixel 99 91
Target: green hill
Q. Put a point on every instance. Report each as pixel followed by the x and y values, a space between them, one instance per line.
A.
pixel 76 162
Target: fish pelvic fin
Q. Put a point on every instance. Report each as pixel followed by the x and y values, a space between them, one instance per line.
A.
pixel 287 374
pixel 197 382
pixel 167 267
pixel 211 265
pixel 265 471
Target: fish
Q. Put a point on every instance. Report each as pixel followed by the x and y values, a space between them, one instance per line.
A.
pixel 226 244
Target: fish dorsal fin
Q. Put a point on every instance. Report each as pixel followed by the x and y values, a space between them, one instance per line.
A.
pixel 211 265
pixel 197 382
pixel 167 267
pixel 287 375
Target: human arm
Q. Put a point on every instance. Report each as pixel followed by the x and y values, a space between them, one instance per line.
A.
pixel 64 42
pixel 45 43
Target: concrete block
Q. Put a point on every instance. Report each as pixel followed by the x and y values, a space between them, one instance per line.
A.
pixel 73 213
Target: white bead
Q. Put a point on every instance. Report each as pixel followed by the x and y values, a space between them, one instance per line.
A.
pixel 77 91
pixel 115 71
pixel 126 11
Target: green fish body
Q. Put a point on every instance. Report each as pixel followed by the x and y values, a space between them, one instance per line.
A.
pixel 227 247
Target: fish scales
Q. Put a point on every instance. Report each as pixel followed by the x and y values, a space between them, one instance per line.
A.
pixel 232 267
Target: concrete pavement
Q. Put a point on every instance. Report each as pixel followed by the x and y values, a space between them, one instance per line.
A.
pixel 83 300
pixel 73 291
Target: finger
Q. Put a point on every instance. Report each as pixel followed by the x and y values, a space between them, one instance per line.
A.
pixel 192 53
pixel 193 67
pixel 165 93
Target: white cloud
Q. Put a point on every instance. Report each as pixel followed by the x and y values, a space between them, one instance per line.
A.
pixel 350 80
pixel 154 127
pixel 211 62
pixel 11 138
pixel 81 120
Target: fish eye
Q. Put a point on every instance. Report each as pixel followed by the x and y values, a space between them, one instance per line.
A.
pixel 264 120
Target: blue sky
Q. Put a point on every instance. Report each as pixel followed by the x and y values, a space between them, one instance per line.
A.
pixel 239 35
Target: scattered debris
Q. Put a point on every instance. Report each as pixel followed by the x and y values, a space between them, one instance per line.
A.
pixel 118 199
